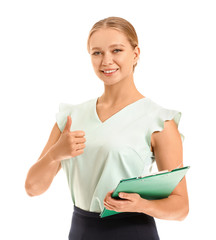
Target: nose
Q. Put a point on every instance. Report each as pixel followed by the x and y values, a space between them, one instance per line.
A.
pixel 107 59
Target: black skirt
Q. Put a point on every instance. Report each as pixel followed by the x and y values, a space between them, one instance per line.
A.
pixel 87 225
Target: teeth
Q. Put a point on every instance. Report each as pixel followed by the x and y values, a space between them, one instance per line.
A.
pixel 110 71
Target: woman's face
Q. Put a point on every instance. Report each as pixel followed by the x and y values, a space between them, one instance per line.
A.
pixel 110 50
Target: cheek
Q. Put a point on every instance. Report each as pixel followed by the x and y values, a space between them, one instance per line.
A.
pixel 124 61
pixel 95 64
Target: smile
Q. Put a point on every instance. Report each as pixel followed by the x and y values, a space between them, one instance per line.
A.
pixel 110 72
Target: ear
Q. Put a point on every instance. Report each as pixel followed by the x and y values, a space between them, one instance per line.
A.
pixel 136 54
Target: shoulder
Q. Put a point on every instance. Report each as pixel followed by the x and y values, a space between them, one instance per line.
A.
pixel 163 118
pixel 168 139
pixel 150 106
pixel 163 125
pixel 169 132
pixel 73 110
pixel 63 106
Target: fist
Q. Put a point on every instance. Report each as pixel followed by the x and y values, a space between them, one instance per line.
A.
pixel 70 144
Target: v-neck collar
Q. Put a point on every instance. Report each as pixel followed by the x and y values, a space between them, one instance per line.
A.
pixel 117 113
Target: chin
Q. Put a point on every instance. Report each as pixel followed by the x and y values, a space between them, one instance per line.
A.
pixel 109 82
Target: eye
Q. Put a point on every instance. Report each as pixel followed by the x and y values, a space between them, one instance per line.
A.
pixel 96 53
pixel 118 50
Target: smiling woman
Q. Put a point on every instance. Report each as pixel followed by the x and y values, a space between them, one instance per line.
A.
pixel 125 132
pixel 113 57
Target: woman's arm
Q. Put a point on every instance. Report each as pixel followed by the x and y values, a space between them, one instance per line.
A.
pixel 168 152
pixel 41 174
pixel 167 148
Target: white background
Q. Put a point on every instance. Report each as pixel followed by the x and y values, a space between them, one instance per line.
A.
pixel 44 61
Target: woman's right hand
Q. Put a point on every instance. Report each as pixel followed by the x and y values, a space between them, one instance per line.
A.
pixel 69 144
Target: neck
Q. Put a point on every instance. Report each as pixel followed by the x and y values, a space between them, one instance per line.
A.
pixel 119 93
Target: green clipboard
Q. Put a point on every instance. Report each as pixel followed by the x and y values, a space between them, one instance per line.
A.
pixel 155 186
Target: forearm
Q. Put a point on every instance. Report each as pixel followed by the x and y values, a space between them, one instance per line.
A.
pixel 41 174
pixel 174 207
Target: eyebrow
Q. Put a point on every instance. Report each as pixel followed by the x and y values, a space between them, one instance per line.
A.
pixel 113 45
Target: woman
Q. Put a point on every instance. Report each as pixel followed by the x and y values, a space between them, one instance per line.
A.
pixel 103 140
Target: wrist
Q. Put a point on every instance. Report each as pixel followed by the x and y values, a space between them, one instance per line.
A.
pixel 145 206
pixel 51 156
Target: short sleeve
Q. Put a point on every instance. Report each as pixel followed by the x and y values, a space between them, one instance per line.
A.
pixel 158 119
pixel 65 110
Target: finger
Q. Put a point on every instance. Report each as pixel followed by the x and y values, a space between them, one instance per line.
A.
pixel 128 196
pixel 112 206
pixel 107 206
pixel 68 124
pixel 78 152
pixel 80 146
pixel 78 133
pixel 79 140
pixel 110 192
pixel 108 195
pixel 108 202
pixel 112 200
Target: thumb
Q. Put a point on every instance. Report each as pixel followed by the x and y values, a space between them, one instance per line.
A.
pixel 128 195
pixel 125 195
pixel 68 124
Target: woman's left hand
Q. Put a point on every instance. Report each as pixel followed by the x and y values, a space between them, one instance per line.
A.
pixel 131 202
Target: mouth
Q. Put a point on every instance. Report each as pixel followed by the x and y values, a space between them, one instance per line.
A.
pixel 109 72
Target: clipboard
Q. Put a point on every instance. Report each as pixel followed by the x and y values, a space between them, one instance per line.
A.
pixel 154 186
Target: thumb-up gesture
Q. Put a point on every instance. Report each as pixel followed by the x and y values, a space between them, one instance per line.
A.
pixel 69 144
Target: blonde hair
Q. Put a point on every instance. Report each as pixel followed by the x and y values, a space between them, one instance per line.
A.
pixel 119 24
